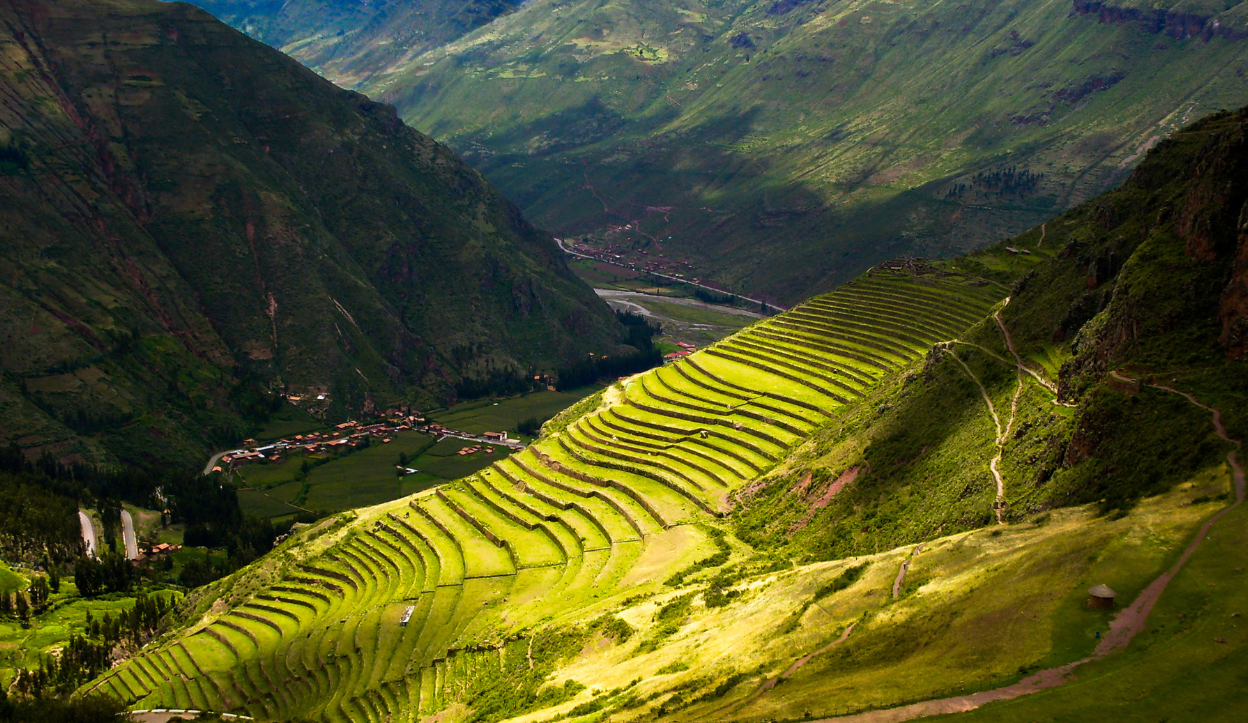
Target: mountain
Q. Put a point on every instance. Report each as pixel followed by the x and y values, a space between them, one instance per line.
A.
pixel 344 40
pixel 944 486
pixel 781 147
pixel 194 223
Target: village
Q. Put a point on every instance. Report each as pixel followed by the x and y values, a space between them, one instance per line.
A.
pixel 351 434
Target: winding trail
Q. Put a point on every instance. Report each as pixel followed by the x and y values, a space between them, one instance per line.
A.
pixel 1000 440
pixel 1043 231
pixel 905 566
pixel 1125 626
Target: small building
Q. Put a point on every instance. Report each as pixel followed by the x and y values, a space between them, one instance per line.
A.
pixel 407 615
pixel 500 436
pixel 1101 597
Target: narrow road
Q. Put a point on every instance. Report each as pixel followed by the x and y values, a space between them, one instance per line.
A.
pixel 212 461
pixel 88 534
pixel 1125 626
pixel 127 533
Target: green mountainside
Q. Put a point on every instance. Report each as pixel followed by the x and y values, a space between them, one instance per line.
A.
pixel 894 495
pixel 781 147
pixel 345 39
pixel 193 221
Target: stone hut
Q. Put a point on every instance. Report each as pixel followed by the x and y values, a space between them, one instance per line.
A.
pixel 1101 597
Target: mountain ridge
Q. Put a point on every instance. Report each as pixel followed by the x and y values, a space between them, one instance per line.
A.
pixel 187 209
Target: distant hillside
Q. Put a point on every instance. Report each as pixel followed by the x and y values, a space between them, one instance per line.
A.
pixel 193 222
pixel 785 146
pixel 345 40
pixel 893 496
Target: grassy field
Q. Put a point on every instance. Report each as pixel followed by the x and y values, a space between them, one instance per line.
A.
pixel 363 477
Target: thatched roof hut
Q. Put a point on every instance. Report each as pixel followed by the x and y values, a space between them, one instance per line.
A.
pixel 1101 597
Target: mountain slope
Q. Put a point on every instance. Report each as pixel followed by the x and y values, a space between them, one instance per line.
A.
pixel 784 147
pixel 345 39
pixel 187 212
pixel 852 444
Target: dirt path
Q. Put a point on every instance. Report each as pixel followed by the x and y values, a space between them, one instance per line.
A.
pixel 1125 626
pixel 1043 231
pixel 1000 440
pixel 905 566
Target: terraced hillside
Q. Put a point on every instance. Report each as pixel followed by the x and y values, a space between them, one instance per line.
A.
pixel 390 612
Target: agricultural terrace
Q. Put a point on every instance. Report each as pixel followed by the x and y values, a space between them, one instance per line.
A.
pixel 603 508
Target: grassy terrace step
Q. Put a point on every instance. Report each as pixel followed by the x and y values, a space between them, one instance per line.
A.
pixel 450 555
pixel 574 522
pixel 784 415
pixel 718 436
pixel 533 546
pixel 916 312
pixel 848 386
pixel 639 397
pixel 597 440
pixel 685 447
pixel 909 306
pixel 853 376
pixel 690 370
pixel 584 452
pixel 619 516
pixel 412 568
pixel 866 364
pixel 407 534
pixel 923 331
pixel 559 531
pixel 750 360
pixel 690 450
pixel 879 344
pixel 662 504
pixel 655 389
pixel 866 326
pixel 699 442
pixel 481 556
pixel 964 298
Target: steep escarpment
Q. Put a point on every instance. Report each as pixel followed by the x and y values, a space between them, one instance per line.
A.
pixel 193 222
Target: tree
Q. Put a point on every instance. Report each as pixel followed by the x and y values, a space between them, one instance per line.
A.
pixel 54 578
pixel 88 577
pixel 39 591
pixel 23 607
pixel 6 604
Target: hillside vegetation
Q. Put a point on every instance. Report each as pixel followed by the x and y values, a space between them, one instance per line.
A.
pixel 783 147
pixel 895 492
pixel 193 223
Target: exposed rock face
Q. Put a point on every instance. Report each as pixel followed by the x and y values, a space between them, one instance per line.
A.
pixel 183 208
pixel 1178 24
